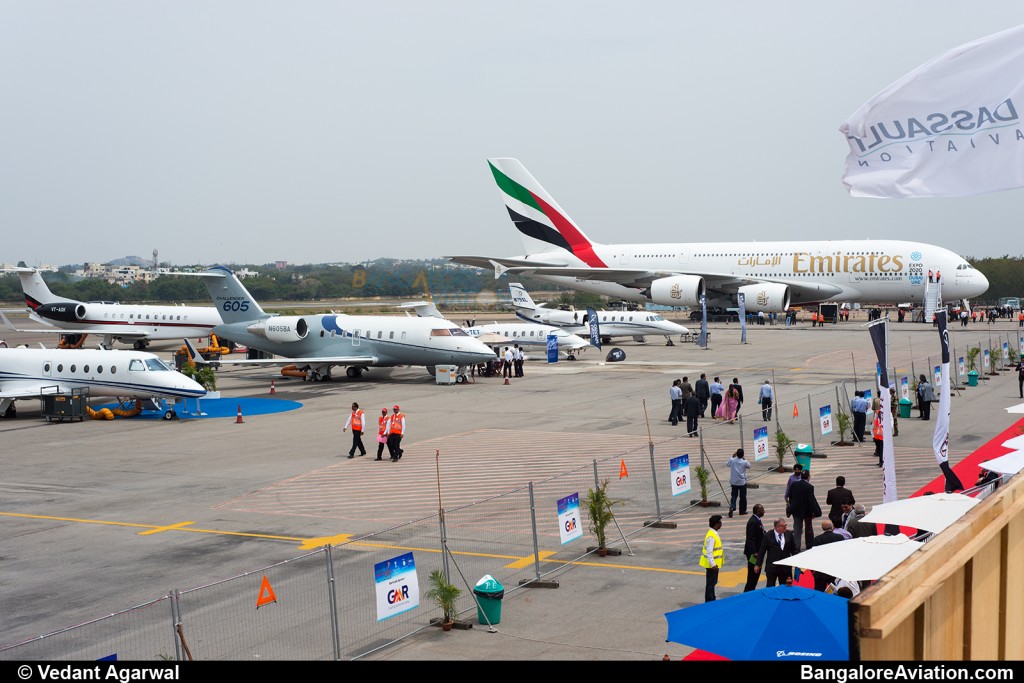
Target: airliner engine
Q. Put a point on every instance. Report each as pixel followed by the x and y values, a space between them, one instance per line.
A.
pixel 65 312
pixel 678 290
pixel 281 329
pixel 766 296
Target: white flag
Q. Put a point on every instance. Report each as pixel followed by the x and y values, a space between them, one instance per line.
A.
pixel 950 128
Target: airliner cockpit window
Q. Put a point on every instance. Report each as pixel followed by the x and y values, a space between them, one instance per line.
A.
pixel 440 333
pixel 156 365
pixel 136 365
pixel 458 332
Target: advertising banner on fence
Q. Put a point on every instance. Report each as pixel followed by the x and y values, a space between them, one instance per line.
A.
pixel 397 588
pixel 938 376
pixel 984 360
pixel 825 418
pixel 680 469
pixel 552 348
pixel 760 443
pixel 905 387
pixel 960 366
pixel 1006 350
pixel 569 526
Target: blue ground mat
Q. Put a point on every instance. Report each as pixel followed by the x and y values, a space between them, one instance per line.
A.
pixel 217 407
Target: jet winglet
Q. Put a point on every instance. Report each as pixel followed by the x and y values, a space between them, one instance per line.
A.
pixel 499 269
pixel 193 352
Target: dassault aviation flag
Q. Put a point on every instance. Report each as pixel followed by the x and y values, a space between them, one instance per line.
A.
pixel 940 440
pixel 595 331
pixel 950 128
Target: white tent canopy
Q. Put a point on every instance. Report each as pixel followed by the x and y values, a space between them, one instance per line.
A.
pixel 1011 463
pixel 1015 444
pixel 929 513
pixel 1019 408
pixel 858 559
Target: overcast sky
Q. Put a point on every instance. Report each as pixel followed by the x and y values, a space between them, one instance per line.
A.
pixel 253 131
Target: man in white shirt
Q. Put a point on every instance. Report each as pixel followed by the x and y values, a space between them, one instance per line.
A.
pixel 765 398
pixel 738 466
pixel 517 360
pixel 506 368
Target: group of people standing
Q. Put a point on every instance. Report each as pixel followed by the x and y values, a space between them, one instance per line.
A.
pixel 693 401
pixel 763 549
pixel 390 429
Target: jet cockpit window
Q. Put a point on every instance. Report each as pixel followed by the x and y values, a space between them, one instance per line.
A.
pixel 440 333
pixel 458 332
pixel 157 365
pixel 136 365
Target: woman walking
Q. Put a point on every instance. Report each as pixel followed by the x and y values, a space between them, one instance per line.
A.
pixel 730 404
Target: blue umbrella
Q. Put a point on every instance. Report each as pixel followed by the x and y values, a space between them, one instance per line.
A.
pixel 782 623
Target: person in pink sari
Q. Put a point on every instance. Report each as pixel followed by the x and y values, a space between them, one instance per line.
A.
pixel 730 404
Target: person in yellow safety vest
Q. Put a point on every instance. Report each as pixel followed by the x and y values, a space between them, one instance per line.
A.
pixel 355 421
pixel 396 428
pixel 711 558
pixel 876 435
pixel 382 432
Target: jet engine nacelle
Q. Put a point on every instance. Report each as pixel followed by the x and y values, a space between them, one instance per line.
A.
pixel 64 312
pixel 678 290
pixel 770 297
pixel 281 329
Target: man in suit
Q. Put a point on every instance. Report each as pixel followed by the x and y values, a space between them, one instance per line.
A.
pixel 827 535
pixel 703 390
pixel 805 509
pixel 752 544
pixel 777 545
pixel 836 497
pixel 691 408
pixel 857 528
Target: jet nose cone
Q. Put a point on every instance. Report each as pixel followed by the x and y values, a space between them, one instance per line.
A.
pixel 981 282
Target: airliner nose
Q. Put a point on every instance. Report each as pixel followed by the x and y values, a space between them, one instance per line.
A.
pixel 980 282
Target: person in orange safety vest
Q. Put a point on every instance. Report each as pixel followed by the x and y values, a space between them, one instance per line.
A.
pixel 396 428
pixel 876 435
pixel 355 421
pixel 382 432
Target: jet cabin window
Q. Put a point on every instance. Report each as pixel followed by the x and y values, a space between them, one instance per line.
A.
pixel 136 365
pixel 156 364
pixel 440 333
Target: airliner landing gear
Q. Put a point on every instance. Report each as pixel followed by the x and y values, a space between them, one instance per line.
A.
pixel 354 371
pixel 140 344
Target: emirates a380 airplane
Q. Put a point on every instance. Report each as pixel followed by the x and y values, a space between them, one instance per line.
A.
pixel 772 275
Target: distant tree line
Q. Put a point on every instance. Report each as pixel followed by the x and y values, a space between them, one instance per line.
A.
pixel 389 279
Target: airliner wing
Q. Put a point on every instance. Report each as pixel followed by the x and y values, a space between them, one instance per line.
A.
pixel 31 388
pixel 724 283
pixel 126 333
pixel 311 360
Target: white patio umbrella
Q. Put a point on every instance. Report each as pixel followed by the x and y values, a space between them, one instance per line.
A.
pixel 1011 463
pixel 858 559
pixel 930 513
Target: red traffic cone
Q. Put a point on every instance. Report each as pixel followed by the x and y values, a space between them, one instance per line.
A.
pixel 238 420
pixel 272 389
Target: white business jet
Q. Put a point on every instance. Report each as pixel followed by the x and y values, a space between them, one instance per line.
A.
pixel 27 373
pixel 771 275
pixel 635 324
pixel 136 324
pixel 526 335
pixel 321 341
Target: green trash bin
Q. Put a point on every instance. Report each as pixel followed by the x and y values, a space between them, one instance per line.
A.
pixel 972 378
pixel 803 455
pixel 488 595
pixel 905 406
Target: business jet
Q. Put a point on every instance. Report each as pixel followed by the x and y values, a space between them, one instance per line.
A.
pixel 321 341
pixel 28 373
pixel 772 275
pixel 526 335
pixel 635 324
pixel 128 323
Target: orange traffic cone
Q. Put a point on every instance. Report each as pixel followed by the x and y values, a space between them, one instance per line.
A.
pixel 796 413
pixel 238 420
pixel 506 381
pixel 272 389
pixel 623 472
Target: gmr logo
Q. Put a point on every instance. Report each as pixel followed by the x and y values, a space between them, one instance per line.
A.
pixel 681 480
pixel 398 595
pixel 570 524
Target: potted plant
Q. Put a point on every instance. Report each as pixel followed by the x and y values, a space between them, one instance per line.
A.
pixel 782 444
pixel 844 422
pixel 703 475
pixel 972 366
pixel 204 375
pixel 995 358
pixel 445 595
pixel 599 511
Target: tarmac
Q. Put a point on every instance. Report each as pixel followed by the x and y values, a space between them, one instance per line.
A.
pixel 75 493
